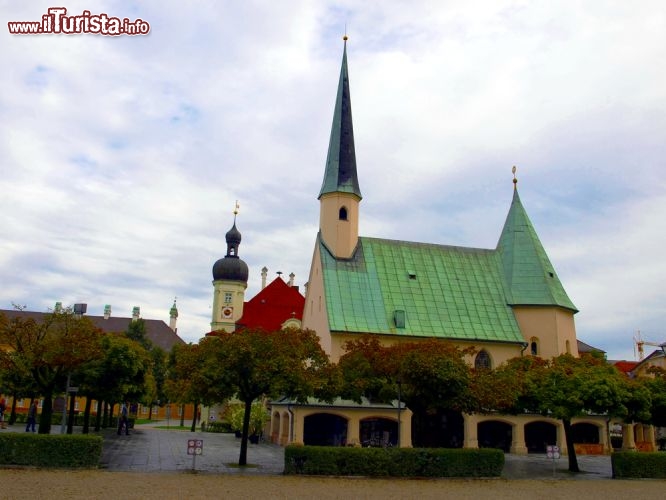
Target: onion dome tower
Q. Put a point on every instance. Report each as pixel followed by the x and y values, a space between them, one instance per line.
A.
pixel 230 275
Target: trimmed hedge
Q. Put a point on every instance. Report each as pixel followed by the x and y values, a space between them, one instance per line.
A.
pixel 50 450
pixel 216 427
pixel 631 464
pixel 394 462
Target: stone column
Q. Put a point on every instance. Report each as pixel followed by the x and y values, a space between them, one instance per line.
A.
pixel 604 441
pixel 561 438
pixel 470 423
pixel 640 438
pixel 650 437
pixel 518 439
pixel 296 421
pixel 406 428
pixel 353 430
pixel 628 442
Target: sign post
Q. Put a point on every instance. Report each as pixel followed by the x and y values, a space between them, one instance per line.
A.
pixel 553 452
pixel 194 448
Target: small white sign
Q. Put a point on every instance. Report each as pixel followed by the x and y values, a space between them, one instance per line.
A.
pixel 553 451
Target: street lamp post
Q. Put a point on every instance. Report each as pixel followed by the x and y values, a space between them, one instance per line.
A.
pixel 399 408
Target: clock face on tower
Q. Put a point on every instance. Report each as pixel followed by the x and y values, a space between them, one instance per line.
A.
pixel 227 312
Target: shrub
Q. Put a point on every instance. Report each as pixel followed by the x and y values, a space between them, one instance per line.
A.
pixel 631 464
pixel 258 417
pixel 216 426
pixel 396 462
pixel 49 450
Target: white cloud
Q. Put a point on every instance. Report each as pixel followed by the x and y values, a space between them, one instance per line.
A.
pixel 122 157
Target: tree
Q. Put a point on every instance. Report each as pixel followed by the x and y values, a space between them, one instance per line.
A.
pixel 253 363
pixel 433 376
pixel 123 371
pixel 136 331
pixel 49 349
pixel 567 387
pixel 186 381
pixel 155 392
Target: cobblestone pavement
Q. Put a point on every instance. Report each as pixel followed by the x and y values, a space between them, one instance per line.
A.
pixel 149 449
pixel 160 450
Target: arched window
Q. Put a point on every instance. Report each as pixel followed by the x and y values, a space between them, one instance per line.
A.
pixel 568 347
pixel 482 361
pixel 534 346
pixel 343 213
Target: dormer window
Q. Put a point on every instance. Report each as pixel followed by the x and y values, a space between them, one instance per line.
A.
pixel 343 213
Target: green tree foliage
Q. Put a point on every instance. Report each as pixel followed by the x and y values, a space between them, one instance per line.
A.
pixel 252 363
pixel 187 382
pixel 655 385
pixel 49 349
pixel 136 331
pixel 122 372
pixel 566 387
pixel 433 375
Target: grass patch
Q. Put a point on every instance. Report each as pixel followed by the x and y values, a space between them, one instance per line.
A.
pixel 140 421
pixel 234 465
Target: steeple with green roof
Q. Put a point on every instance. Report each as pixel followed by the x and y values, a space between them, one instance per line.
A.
pixel 340 195
pixel 529 275
pixel 340 174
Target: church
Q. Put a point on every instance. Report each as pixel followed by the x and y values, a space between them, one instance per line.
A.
pixel 504 302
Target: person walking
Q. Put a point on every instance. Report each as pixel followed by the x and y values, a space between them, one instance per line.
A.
pixel 122 420
pixel 32 417
pixel 3 407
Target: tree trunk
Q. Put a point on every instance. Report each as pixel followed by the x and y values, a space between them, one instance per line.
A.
pixel 106 417
pixel 70 416
pixel 194 418
pixel 12 417
pixel 242 460
pixel 98 417
pixel 86 415
pixel 150 412
pixel 47 412
pixel 182 415
pixel 571 451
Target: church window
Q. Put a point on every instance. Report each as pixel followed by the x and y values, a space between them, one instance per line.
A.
pixel 534 346
pixel 568 347
pixel 482 361
pixel 227 297
pixel 343 213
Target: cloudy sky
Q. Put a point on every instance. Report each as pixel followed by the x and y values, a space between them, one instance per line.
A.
pixel 121 158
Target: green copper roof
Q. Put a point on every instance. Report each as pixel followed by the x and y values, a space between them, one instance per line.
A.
pixel 530 277
pixel 444 291
pixel 340 174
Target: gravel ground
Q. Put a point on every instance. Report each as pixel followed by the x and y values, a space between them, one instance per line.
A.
pixel 36 484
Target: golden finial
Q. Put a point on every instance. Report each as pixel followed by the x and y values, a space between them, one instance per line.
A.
pixel 345 37
pixel 236 207
pixel 515 181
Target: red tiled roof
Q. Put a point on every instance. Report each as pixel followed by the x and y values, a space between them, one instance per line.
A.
pixel 625 366
pixel 272 306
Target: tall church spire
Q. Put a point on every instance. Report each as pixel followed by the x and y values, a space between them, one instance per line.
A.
pixel 340 195
pixel 340 175
pixel 530 276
